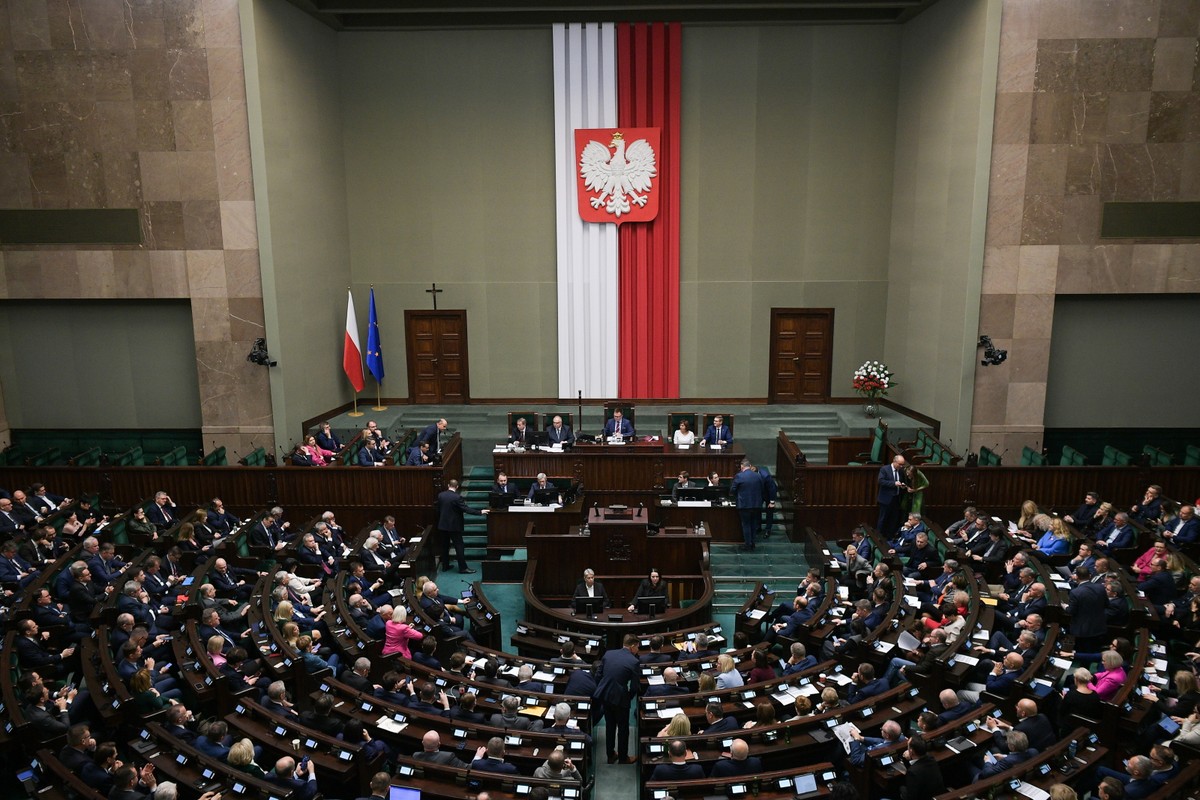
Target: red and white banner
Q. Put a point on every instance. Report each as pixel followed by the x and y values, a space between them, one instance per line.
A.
pixel 618 174
pixel 351 350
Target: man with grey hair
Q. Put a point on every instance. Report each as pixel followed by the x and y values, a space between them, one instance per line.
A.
pixel 861 745
pixel 277 700
pixel 161 512
pixel 1019 752
pixel 558 767
pixel 270 531
pixel 358 677
pixel 511 718
pixel 525 681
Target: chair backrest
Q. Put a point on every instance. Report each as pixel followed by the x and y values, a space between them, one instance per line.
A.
pixel 708 420
pixel 1157 457
pixel 674 418
pixel 1192 458
pixel 1072 457
pixel 628 411
pixel 258 458
pixel 217 458
pixel 878 441
pixel 1114 457
pixel 88 458
pixel 988 457
pixel 531 421
pixel 567 417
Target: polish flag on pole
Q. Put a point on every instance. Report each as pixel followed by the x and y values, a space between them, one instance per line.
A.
pixel 352 353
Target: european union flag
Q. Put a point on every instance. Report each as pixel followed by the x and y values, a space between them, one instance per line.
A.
pixel 374 351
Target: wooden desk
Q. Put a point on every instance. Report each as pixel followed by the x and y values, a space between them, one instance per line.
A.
pixel 640 468
pixel 507 526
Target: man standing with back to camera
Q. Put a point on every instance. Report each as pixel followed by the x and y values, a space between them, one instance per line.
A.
pixel 617 675
pixel 450 508
pixel 747 489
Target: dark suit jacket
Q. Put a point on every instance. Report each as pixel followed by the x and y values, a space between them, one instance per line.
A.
pixel 722 725
pixel 610 427
pixel 923 779
pixel 368 456
pixel 1188 533
pixel 34 654
pixel 677 772
pixel 748 488
pixel 160 519
pixel 597 587
pixel 1007 762
pixel 712 435
pixel 887 484
pixel 416 458
pixel 493 765
pixel 507 488
pixel 666 690
pixel 1159 588
pixel 1087 603
pixel 449 509
pixel 330 442
pixel 442 757
pixel 564 435
pixel 518 436
pixel 617 672
pixel 430 434
pixel 728 768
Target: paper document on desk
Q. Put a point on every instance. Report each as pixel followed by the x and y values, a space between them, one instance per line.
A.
pixel 839 678
pixel 390 725
pixel 756 613
pixel 963 658
pixel 1032 792
pixel 547 677
pixel 655 680
pixel 784 698
pixel 884 647
pixel 842 732
pixel 907 641
pixel 669 713
pixel 912 601
pixel 1061 663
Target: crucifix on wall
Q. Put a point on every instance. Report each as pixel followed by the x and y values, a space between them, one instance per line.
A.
pixel 434 291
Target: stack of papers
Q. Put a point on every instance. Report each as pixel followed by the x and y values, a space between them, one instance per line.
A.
pixel 756 613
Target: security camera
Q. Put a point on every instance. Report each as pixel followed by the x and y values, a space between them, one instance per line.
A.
pixel 259 355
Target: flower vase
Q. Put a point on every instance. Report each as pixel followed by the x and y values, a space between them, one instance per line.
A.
pixel 872 408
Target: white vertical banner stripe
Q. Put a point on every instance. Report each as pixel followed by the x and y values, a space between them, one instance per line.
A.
pixel 585 96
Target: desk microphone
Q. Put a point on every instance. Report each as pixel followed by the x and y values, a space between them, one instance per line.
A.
pixel 641 510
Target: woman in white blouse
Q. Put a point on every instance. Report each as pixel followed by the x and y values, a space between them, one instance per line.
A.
pixel 684 435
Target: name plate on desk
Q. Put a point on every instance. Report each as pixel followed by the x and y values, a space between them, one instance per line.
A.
pixel 533 509
pixel 694 503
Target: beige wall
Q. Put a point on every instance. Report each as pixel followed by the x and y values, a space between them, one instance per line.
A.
pixel 1092 105
pixel 788 135
pixel 448 139
pixel 296 116
pixel 947 75
pixel 141 106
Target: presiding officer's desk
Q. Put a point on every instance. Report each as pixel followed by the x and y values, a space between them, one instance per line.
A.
pixel 638 467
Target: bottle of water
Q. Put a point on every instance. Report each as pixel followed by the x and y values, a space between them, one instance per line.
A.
pixel 700 530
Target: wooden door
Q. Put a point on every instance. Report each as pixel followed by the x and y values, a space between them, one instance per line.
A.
pixel 437 356
pixel 801 355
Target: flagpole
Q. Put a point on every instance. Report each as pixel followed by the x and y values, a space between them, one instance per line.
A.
pixel 375 353
pixel 352 345
pixel 379 406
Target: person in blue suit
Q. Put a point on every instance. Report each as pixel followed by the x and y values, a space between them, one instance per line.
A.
pixel 678 768
pixel 300 780
pixel 1019 752
pixel 1184 528
pixel 618 675
pixel 718 433
pixel 739 762
pixel 327 439
pixel 1150 508
pixel 891 488
pixel 770 495
pixel 864 684
pixel 747 488
pixel 369 455
pixel 432 433
pixel 1119 536
pixel 418 455
pixel 618 425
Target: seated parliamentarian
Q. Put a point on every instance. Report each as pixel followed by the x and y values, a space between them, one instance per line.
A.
pixel 559 432
pixel 1183 528
pixel 520 433
pixel 588 586
pixel 369 455
pixel 652 586
pixel 319 456
pixel 684 435
pixel 502 486
pixel 683 482
pixel 718 433
pixel 328 439
pixel 418 455
pixel 541 484
pixel 618 425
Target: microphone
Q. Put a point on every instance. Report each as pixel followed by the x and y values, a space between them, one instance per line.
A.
pixel 641 510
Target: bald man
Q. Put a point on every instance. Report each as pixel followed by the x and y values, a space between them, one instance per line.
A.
pixel 737 762
pixel 431 751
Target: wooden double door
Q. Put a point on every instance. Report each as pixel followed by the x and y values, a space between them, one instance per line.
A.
pixel 438 369
pixel 801 355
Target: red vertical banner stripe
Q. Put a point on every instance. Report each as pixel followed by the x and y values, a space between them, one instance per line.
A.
pixel 648 88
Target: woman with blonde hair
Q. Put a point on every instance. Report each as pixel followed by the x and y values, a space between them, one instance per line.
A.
pixel 215 647
pixel 1056 541
pixel 1109 680
pixel 398 633
pixel 728 677
pixel 1029 510
pixel 707 683
pixel 680 725
pixel 146 698
pixel 241 757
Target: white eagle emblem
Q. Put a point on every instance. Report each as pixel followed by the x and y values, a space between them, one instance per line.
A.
pixel 618 177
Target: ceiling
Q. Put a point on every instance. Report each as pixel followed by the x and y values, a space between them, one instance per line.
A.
pixel 385 15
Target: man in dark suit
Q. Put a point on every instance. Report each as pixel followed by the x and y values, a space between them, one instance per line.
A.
pixel 618 676
pixel 891 487
pixel 78 749
pixel 718 433
pixel 27 514
pixel 162 511
pixel 433 434
pixel 1151 506
pixel 502 486
pixel 1019 752
pixel 10 523
pixel 83 594
pixel 716 721
pixel 130 784
pixel 372 432
pixel 924 776
pixel 491 758
pixel 952 706
pixel 682 482
pixel 1159 586
pixel 13 568
pixel 380 783
pixel 618 425
pixel 300 780
pixel 1184 528
pixel 449 509
pixel 1086 603
pixel 519 435
pixel 678 768
pixel 1034 725
pixel 432 753
pixel 560 433
pixel 235 583
pixel 418 455
pixel 669 687
pixel 747 489
pixel 739 762
pixel 269 531
pixel 328 440
pixel 864 684
pixel 542 484
pixel 44 501
pixel 1083 515
pixel 33 653
pixel 358 677
pixel 1118 536
pixel 369 455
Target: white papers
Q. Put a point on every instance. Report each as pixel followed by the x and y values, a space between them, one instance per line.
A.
pixel 756 613
pixel 842 732
pixel 1061 663
pixel 912 601
pixel 1160 664
pixel 907 641
pixel 544 676
pixel 807 689
pixel 695 504
pixel 963 658
pixel 784 698
pixel 414 540
pixel 534 509
pixel 980 635
pixel 839 678
pixel 389 724
pixel 884 647
pixel 669 713
pixel 655 680
pixel 1032 792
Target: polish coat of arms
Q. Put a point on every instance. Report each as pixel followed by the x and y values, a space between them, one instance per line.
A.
pixel 618 182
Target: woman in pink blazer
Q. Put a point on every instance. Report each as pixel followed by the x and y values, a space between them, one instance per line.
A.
pixel 319 455
pixel 1111 678
pixel 398 633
